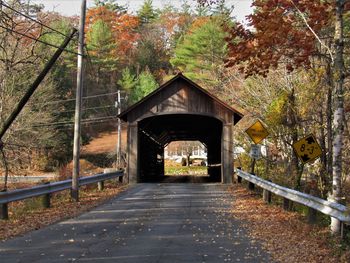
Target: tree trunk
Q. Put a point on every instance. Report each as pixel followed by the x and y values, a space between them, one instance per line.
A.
pixel 329 113
pixel 323 179
pixel 338 118
pixel 296 172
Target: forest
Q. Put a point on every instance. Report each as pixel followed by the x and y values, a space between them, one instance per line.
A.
pixel 289 68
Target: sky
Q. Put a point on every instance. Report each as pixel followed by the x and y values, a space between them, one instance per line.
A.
pixel 72 7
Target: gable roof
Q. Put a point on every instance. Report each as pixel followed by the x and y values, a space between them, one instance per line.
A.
pixel 123 115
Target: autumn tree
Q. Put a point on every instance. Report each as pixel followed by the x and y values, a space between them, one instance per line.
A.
pixel 280 35
pixel 152 52
pixel 186 18
pixel 111 41
pixel 28 141
pixel 63 78
pixel 294 33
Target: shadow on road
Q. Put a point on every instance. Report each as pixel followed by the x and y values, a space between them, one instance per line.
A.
pixel 182 179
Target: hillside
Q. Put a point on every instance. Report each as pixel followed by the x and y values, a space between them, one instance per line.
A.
pixel 105 142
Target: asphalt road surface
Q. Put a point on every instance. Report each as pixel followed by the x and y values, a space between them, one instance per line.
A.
pixel 147 223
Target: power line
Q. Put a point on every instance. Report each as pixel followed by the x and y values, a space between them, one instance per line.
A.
pixel 68 123
pixel 38 40
pixel 32 19
pixel 86 109
pixel 58 125
pixel 87 97
pixel 70 127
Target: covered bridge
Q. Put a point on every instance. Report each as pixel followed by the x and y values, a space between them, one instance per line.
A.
pixel 179 110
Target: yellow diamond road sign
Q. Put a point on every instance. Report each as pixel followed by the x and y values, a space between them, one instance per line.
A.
pixel 307 149
pixel 257 132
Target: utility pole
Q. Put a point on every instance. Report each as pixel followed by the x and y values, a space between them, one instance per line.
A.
pixel 78 102
pixel 119 150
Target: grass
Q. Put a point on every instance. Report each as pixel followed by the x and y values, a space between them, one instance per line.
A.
pixel 185 170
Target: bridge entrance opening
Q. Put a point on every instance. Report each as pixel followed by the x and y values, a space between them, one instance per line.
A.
pixel 186 161
pixel 158 134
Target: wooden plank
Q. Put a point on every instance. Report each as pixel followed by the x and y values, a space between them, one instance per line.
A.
pixel 132 171
pixel 181 97
pixel 227 158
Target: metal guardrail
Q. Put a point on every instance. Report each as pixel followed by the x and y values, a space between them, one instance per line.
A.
pixel 26 179
pixel 20 194
pixel 332 209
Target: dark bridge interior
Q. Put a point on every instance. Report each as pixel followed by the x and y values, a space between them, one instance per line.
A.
pixel 158 131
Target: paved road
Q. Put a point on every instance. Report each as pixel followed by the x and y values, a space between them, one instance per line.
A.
pixel 147 223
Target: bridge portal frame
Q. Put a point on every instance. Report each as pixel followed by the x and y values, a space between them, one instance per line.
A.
pixel 178 97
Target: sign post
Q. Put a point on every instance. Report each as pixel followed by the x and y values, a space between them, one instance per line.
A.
pixel 257 132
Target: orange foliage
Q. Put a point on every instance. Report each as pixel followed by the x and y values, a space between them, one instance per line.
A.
pixel 280 32
pixel 125 32
pixel 199 22
pixel 123 27
pixel 100 13
pixel 169 21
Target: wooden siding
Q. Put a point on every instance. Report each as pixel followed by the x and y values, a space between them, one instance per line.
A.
pixel 180 97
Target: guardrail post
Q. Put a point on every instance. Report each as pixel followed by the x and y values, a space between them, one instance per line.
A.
pixel 120 179
pixel 286 204
pixel 4 212
pixel 101 185
pixel 239 179
pixel 344 228
pixel 311 215
pixel 251 186
pixel 46 199
pixel 267 196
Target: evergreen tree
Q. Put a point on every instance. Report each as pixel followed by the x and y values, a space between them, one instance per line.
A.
pixel 221 9
pixel 147 13
pixel 128 82
pixel 202 10
pixel 185 7
pixel 202 52
pixel 102 49
pixel 145 85
pixel 111 5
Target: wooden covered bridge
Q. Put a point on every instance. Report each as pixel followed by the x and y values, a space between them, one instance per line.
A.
pixel 179 110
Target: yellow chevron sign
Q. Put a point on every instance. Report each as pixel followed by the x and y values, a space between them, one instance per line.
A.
pixel 257 132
